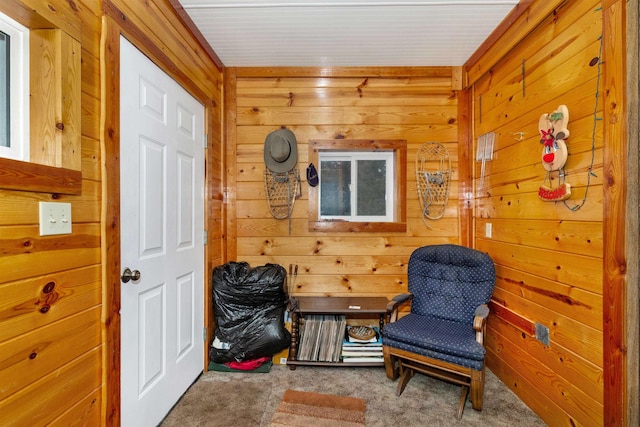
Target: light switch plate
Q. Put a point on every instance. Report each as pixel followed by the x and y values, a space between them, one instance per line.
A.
pixel 55 218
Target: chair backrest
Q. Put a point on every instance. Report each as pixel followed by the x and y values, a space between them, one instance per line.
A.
pixel 450 281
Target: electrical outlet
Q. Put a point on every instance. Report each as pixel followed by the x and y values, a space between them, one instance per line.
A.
pixel 542 333
pixel 283 360
pixel 488 230
pixel 55 218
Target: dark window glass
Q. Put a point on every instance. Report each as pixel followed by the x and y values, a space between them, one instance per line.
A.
pixel 5 110
pixel 335 188
pixel 372 188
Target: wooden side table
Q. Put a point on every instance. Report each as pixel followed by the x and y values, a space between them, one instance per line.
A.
pixel 349 306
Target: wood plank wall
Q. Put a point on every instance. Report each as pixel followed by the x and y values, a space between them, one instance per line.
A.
pixel 549 255
pixel 414 104
pixel 51 288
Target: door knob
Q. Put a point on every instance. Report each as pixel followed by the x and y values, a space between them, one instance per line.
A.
pixel 127 275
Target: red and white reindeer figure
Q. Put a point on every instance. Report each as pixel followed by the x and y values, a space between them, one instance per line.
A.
pixel 553 132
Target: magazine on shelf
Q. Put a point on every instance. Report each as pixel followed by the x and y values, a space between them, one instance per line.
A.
pixel 362 350
pixel 374 353
pixel 379 359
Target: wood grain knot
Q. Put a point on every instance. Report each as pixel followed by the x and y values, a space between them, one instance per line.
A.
pixel 49 287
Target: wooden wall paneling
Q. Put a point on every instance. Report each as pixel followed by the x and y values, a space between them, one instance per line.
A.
pixel 186 19
pixel 215 216
pixel 416 105
pixel 55 96
pixel 49 254
pixel 85 413
pixel 549 256
pixel 615 190
pixel 49 397
pixel 161 36
pixel 415 108
pixel 585 376
pixel 633 221
pixel 582 237
pixel 35 302
pixel 465 159
pixel 570 268
pixel 580 305
pixel 54 344
pixel 516 206
pixel 524 18
pixel 520 366
pixel 83 209
pixel 565 332
pixel 235 170
pixel 564 35
pixel 50 14
pixel 50 296
pixel 91 166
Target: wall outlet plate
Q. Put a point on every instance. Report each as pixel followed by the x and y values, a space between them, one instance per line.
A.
pixel 488 230
pixel 55 218
pixel 542 333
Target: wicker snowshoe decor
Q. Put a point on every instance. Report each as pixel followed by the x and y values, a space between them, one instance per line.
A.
pixel 433 178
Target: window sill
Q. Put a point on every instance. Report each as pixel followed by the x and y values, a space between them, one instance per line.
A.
pixel 25 176
pixel 354 227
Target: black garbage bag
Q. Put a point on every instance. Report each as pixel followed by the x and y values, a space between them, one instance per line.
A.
pixel 249 305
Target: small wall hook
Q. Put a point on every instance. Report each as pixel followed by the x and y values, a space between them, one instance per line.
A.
pixel 518 136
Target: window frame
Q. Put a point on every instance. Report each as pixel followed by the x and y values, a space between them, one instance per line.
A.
pixel 399 148
pixel 55 127
pixel 18 75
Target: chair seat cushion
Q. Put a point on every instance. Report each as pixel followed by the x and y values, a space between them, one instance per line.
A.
pixel 434 337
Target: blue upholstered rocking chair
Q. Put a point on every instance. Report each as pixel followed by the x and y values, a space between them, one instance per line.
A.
pixel 443 335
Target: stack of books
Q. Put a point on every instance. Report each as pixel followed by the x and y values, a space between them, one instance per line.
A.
pixel 362 344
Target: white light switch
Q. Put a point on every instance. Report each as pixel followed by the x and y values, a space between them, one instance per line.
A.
pixel 55 218
pixel 488 230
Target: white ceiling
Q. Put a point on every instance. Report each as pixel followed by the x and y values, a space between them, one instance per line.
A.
pixel 263 33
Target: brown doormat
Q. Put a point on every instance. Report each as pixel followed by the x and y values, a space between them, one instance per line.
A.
pixel 302 408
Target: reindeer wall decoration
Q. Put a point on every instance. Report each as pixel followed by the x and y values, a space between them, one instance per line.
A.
pixel 553 132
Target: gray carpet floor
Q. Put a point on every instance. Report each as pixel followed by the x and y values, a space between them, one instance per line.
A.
pixel 240 399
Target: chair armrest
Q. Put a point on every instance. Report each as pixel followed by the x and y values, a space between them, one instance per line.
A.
pixel 480 321
pixel 392 306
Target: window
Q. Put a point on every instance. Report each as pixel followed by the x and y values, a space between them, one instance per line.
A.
pixel 40 112
pixel 14 89
pixel 356 186
pixel 362 185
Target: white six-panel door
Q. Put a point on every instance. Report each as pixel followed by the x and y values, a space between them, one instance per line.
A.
pixel 162 226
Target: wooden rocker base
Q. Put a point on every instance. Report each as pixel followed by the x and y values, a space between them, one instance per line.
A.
pixel 463 399
pixel 404 379
pixel 403 364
